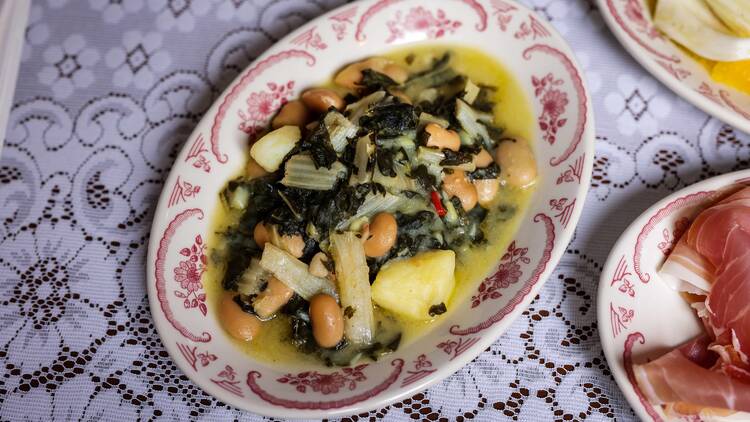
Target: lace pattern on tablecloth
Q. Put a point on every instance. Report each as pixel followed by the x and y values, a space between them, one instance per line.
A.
pixel 108 92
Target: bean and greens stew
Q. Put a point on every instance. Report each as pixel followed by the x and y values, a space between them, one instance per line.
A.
pixel 356 203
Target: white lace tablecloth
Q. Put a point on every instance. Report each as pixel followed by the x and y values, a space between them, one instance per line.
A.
pixel 107 93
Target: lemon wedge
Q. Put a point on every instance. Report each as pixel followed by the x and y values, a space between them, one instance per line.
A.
pixel 734 13
pixel 693 24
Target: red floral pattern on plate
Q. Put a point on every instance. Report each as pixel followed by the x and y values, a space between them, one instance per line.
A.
pixel 189 272
pixel 195 153
pixel 554 102
pixel 627 357
pixel 509 272
pixel 340 21
pixel 161 280
pixel 456 348
pixel 228 380
pixel 619 318
pixel 422 368
pixel 581 98
pixel 573 173
pixel 379 6
pixel 248 77
pixel 680 226
pixel 326 383
pixel 502 10
pixel 181 191
pixel 707 91
pixel 422 20
pixel 528 285
pixel 634 11
pixel 565 209
pixel 622 278
pixel 532 28
pixel 192 355
pixel 722 98
pixel 678 72
pixel 261 105
pixel 727 97
pixel 336 403
pixel 310 39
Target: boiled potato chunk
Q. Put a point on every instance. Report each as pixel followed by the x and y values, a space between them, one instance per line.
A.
pixel 410 286
pixel 270 150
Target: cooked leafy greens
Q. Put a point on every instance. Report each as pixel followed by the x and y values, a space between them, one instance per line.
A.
pixel 352 168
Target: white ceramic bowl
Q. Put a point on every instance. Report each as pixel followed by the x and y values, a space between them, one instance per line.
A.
pixel 640 317
pixel 631 22
pixel 215 153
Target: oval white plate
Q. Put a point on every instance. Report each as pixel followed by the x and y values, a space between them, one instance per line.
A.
pixel 639 315
pixel 215 152
pixel 631 23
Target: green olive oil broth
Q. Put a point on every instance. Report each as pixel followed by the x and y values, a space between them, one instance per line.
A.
pixel 512 113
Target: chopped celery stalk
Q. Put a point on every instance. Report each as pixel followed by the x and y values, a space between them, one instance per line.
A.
pixel 270 150
pixel 300 172
pixel 466 139
pixel 239 198
pixel 468 167
pixel 430 155
pixel 440 75
pixel 426 118
pixel 451 215
pixel 340 129
pixel 469 120
pixel 484 117
pixel 358 109
pixel 362 157
pixel 373 204
pixel 252 280
pixel 436 171
pixel 354 287
pixel 428 95
pixel 293 272
pixel 414 205
pixel 376 203
pixel 405 141
pixel 471 92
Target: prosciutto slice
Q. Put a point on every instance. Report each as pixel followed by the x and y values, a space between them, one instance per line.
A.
pixel 712 259
pixel 673 378
pixel 691 267
pixel 728 303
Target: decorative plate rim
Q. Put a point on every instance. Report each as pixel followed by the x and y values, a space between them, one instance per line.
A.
pixel 727 113
pixel 582 144
pixel 615 350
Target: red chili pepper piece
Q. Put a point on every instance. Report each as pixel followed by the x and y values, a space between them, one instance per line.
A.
pixel 437 204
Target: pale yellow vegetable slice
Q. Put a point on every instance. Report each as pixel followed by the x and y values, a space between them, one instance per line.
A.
pixel 300 172
pixel 270 150
pixel 734 13
pixel 411 286
pixel 352 276
pixel 294 273
pixel 693 24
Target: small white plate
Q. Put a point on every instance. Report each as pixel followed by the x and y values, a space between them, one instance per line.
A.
pixel 631 22
pixel 640 317
pixel 545 69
